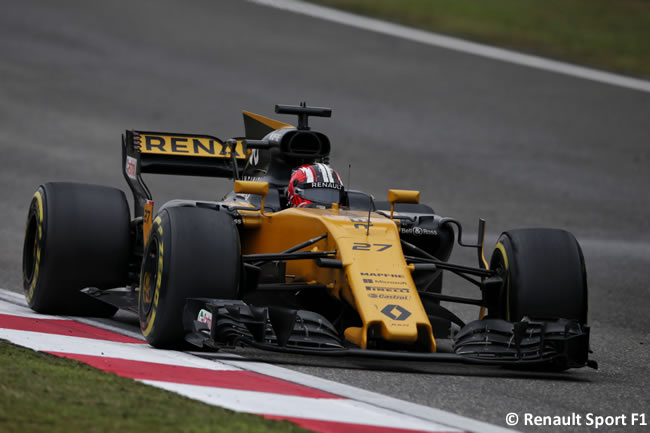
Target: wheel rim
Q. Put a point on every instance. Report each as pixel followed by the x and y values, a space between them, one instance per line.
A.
pixel 149 279
pixel 29 249
pixel 499 264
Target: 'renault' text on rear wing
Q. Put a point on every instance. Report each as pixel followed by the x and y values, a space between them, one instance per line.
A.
pixel 177 154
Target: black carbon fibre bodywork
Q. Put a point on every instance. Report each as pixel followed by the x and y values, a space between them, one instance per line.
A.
pixel 219 324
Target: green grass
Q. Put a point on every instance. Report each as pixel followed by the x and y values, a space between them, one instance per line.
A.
pixel 44 393
pixel 606 34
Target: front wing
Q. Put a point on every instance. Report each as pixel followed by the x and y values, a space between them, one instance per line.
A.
pixel 553 345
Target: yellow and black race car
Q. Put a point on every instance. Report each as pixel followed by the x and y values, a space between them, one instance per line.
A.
pixel 340 274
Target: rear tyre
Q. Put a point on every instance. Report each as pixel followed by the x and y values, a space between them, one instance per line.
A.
pixel 544 276
pixel 191 253
pixel 77 236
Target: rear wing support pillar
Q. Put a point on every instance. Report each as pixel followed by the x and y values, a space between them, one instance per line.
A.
pixel 131 169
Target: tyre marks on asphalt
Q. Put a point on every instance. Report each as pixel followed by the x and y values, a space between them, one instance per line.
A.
pixel 208 381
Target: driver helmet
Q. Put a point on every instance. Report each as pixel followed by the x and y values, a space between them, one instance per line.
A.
pixel 314 184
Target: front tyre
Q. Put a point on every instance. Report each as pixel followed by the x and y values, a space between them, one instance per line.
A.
pixel 191 253
pixel 544 276
pixel 77 236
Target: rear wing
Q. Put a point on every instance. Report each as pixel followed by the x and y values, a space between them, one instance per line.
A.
pixel 177 154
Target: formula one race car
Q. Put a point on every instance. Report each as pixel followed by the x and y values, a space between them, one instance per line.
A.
pixel 340 274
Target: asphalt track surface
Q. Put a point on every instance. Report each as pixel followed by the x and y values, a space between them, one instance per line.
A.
pixel 479 137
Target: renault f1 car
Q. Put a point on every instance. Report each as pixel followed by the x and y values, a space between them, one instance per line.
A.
pixel 355 277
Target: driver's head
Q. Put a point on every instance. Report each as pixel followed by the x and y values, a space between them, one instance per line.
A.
pixel 317 184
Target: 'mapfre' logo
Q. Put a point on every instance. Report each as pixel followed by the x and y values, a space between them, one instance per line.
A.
pixel 396 312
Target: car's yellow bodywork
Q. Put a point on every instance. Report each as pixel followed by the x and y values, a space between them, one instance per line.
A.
pixel 374 279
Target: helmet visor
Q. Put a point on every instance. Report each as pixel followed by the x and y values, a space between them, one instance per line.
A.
pixel 320 195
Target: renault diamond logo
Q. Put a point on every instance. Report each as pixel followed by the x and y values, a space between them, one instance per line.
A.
pixel 396 312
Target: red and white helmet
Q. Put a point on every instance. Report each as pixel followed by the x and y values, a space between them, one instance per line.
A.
pixel 316 183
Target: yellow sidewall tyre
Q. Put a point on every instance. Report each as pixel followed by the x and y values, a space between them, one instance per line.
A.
pixel 544 276
pixel 76 236
pixel 191 253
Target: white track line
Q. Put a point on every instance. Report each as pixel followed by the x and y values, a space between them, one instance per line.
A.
pixel 21 307
pixel 455 44
pixel 423 413
pixel 14 309
pixel 412 409
pixel 95 347
pixel 337 410
pixel 13 297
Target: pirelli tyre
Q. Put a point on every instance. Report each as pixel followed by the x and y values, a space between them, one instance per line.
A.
pixel 544 276
pixel 191 252
pixel 77 236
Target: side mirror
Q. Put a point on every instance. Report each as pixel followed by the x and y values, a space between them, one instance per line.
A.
pixel 402 196
pixel 253 187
